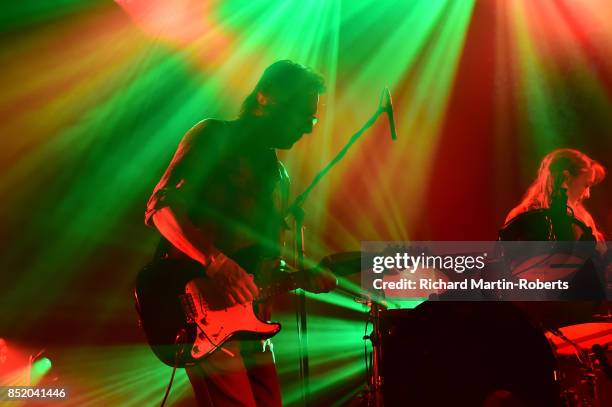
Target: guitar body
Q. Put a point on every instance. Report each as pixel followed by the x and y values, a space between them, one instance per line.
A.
pixel 216 325
pixel 184 323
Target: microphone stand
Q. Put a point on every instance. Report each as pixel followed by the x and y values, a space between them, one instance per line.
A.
pixel 297 212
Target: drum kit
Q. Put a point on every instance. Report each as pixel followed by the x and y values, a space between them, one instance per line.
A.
pixel 486 353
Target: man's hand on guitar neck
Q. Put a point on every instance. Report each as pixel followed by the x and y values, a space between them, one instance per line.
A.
pixel 232 280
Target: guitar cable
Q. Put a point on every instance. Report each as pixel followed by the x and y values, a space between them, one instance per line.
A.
pixel 180 338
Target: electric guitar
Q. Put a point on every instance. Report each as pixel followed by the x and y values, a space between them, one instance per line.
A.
pixel 185 322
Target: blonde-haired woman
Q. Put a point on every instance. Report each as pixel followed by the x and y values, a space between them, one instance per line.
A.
pixel 553 209
pixel 563 171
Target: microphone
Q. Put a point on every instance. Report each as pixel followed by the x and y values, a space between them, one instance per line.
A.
pixel 561 220
pixel 386 105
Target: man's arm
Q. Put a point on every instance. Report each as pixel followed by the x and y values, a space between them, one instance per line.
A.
pixel 167 211
pixel 179 231
pixel 175 226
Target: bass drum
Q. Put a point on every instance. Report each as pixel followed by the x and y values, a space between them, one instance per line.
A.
pixel 465 354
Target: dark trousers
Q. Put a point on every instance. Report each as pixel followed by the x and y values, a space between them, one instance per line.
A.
pixel 246 379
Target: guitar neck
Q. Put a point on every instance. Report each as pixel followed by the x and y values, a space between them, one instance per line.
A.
pixel 285 283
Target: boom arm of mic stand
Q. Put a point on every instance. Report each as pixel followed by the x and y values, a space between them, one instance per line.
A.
pixel 296 207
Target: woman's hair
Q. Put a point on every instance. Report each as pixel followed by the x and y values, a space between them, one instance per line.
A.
pixel 551 175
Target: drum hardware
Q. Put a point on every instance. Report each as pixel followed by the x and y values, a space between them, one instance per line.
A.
pixel 603 317
pixel 580 353
pixel 372 396
pixel 600 354
pixel 578 376
pixel 345 264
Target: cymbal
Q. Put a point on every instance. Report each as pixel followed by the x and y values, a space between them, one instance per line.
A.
pixel 584 335
pixel 342 264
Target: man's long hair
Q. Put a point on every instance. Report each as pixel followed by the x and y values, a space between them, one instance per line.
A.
pixel 282 81
pixel 550 177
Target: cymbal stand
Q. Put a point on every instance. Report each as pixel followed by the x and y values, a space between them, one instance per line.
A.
pixel 374 384
pixel 587 376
